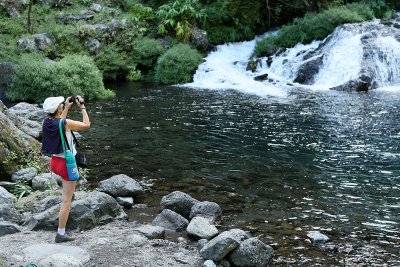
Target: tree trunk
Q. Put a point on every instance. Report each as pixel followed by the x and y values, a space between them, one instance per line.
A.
pixel 29 23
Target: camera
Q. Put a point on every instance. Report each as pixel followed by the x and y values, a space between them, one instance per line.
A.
pixel 73 98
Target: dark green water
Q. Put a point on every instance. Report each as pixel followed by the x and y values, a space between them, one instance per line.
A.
pixel 278 167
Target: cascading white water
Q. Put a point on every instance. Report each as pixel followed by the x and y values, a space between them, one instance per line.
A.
pixel 225 68
pixel 387 60
pixel 344 57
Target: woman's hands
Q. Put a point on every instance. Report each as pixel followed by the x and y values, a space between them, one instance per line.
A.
pixel 80 102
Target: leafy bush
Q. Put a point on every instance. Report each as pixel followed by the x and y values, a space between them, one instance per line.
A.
pixel 141 16
pixel 315 26
pixel 146 51
pixel 34 80
pixel 178 64
pixel 111 62
pixel 178 16
pixel 12 26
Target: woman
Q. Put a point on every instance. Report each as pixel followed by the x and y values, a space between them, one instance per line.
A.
pixel 57 109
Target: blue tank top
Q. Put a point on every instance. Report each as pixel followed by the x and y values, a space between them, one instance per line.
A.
pixel 51 139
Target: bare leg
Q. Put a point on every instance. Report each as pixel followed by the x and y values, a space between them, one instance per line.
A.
pixel 68 189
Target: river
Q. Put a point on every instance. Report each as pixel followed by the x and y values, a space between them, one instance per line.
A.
pixel 278 166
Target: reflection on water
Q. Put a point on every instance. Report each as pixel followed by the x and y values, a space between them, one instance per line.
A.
pixel 322 161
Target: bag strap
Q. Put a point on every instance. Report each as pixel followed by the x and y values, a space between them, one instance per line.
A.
pixel 62 136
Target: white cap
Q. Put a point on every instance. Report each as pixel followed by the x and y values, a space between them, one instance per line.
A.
pixel 51 104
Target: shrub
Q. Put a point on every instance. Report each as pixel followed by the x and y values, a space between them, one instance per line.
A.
pixel 146 51
pixel 177 64
pixel 315 26
pixel 178 16
pixel 34 80
pixel 111 62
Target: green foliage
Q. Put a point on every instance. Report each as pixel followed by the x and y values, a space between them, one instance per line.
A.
pixel 21 189
pixel 146 51
pixel 315 26
pixel 30 159
pixel 141 16
pixel 34 80
pixel 66 38
pixel 111 62
pixel 11 26
pixel 230 21
pixel 178 64
pixel 178 16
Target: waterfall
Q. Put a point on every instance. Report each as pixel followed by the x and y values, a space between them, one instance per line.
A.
pixel 368 52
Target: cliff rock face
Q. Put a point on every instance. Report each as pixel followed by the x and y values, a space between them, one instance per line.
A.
pixel 16 147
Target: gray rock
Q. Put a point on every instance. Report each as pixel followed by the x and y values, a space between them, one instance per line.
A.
pixel 121 186
pixel 68 18
pixel 151 231
pixel 170 220
pixel 13 8
pixel 317 237
pixel 201 228
pixel 7 228
pixel 26 44
pixel 42 41
pixel 206 209
pixel 28 111
pixel 179 202
pixel 6 197
pixel 308 70
pixel 218 247
pixel 92 44
pixel 38 252
pixel 209 263
pixel 60 260
pixel 44 182
pixel 126 202
pixel 96 7
pixel 10 214
pixel 251 252
pixel 26 175
pixel 238 234
pixel 199 39
pixel 201 243
pixel 137 240
pixel 87 210
pixel 15 145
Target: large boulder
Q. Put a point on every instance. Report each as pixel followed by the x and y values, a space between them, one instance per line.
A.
pixel 9 213
pixel 36 42
pixel 121 186
pixel 7 228
pixel 179 202
pixel 13 8
pixel 27 111
pixel 206 209
pixel 16 147
pixel 199 39
pixel 6 197
pixel 218 247
pixel 251 253
pixel 170 220
pixel 201 228
pixel 55 255
pixel 87 210
pixel 25 175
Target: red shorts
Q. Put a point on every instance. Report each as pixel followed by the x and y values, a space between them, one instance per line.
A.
pixel 59 167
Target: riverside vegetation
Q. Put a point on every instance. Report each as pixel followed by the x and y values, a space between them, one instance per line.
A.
pixel 71 47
